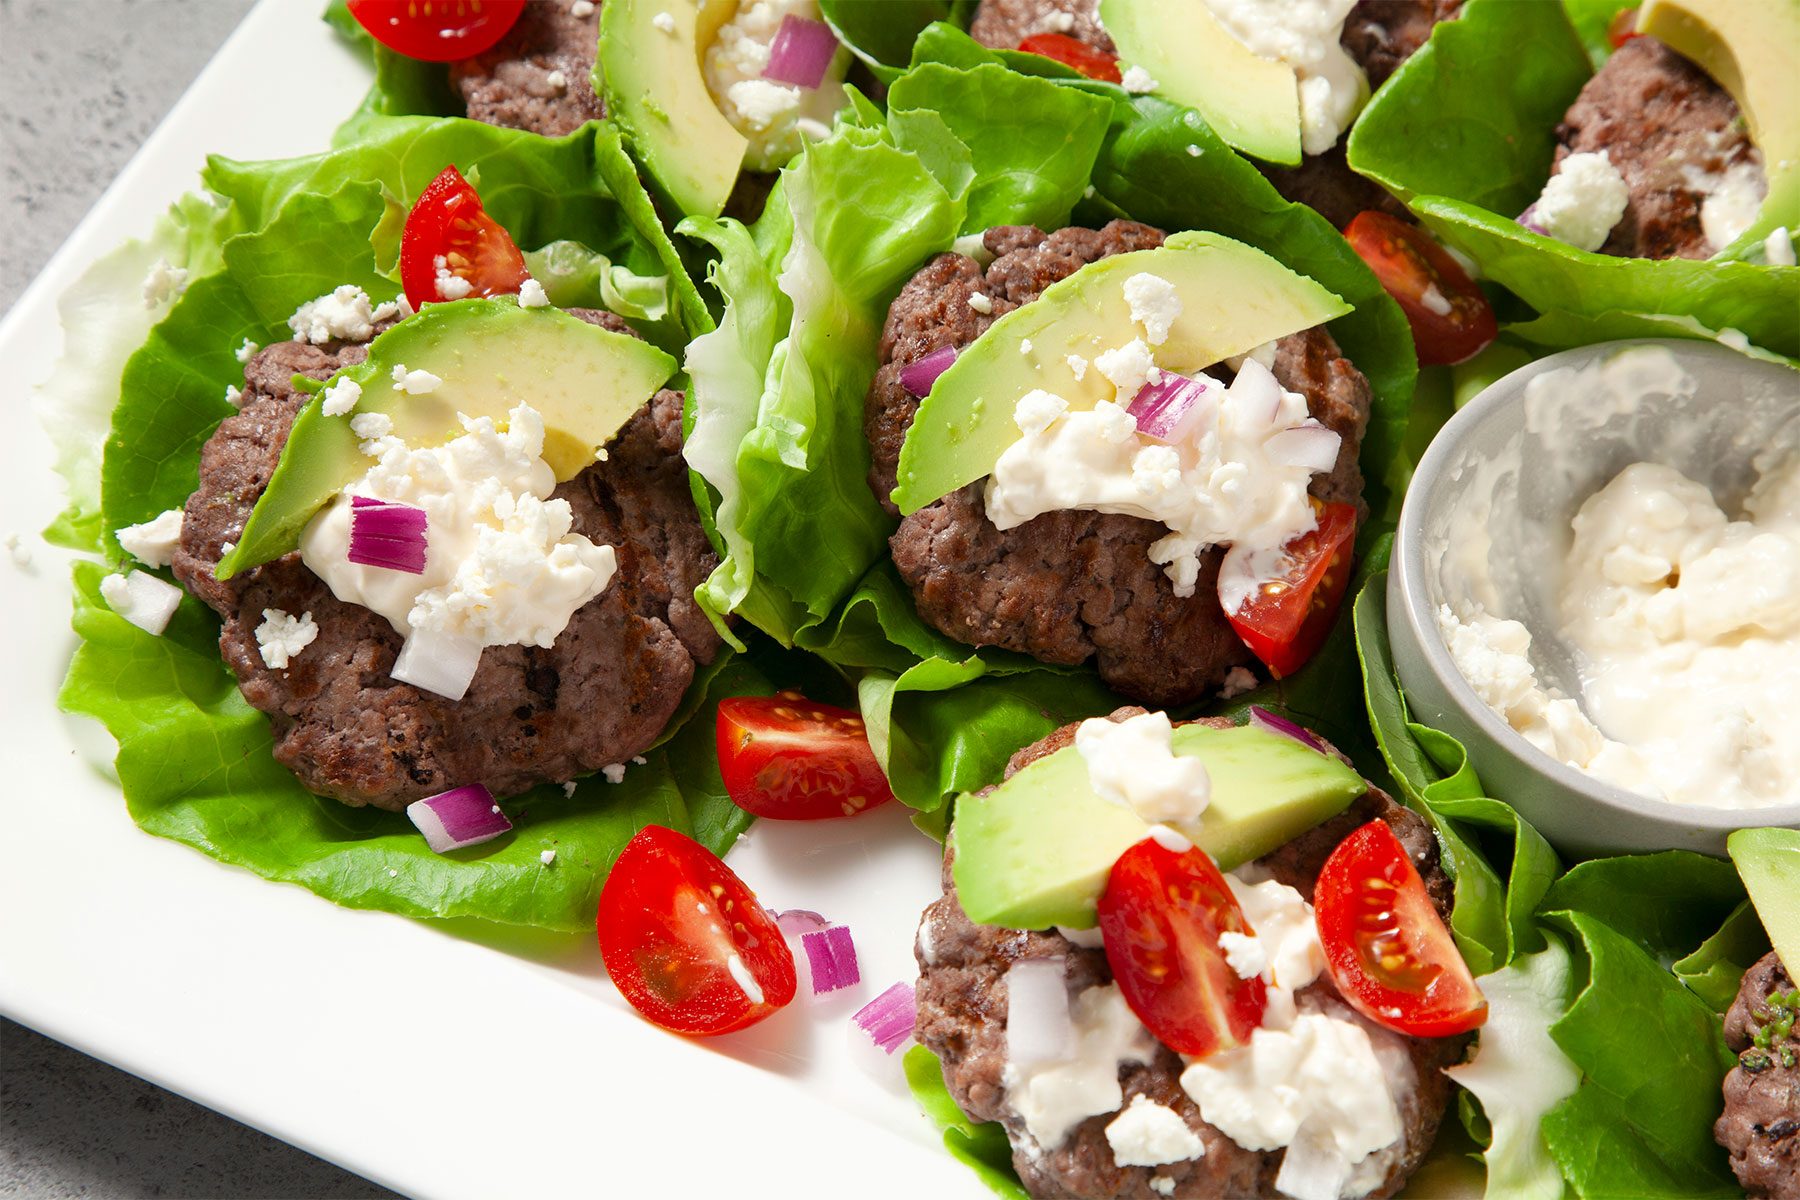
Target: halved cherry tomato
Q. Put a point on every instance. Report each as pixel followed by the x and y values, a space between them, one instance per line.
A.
pixel 1623 27
pixel 448 223
pixel 437 30
pixel 1285 621
pixel 1385 945
pixel 686 941
pixel 1451 320
pixel 1161 918
pixel 785 757
pixel 1073 52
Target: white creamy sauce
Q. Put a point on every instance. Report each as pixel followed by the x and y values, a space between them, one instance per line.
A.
pixel 1582 202
pixel 1304 34
pixel 1131 762
pixel 1055 1096
pixel 776 117
pixel 1732 202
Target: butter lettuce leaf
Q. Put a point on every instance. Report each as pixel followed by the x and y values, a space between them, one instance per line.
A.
pixel 981 1145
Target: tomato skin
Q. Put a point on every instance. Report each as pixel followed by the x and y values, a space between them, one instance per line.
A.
pixel 437 30
pixel 1286 621
pixel 672 916
pixel 1410 265
pixel 1623 27
pixel 1073 52
pixel 448 222
pixel 1161 917
pixel 1385 945
pixel 789 759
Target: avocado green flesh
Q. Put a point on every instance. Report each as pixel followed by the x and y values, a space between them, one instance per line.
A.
pixel 656 91
pixel 1768 861
pixel 1037 850
pixel 491 356
pixel 1252 103
pixel 1747 46
pixel 1233 299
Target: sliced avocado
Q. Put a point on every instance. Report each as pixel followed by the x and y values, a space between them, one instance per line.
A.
pixel 1748 47
pixel 1252 102
pixel 491 356
pixel 655 90
pixel 1768 861
pixel 1233 299
pixel 1036 851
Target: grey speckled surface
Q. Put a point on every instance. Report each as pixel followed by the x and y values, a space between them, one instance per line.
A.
pixel 82 82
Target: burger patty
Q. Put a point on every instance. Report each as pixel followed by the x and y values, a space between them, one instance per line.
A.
pixel 962 1002
pixel 1761 1122
pixel 1670 131
pixel 540 75
pixel 346 729
pixel 1072 585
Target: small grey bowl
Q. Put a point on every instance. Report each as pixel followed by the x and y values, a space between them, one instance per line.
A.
pixel 1488 517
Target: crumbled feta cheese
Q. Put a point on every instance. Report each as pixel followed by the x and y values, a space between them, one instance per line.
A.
pixel 450 285
pixel 247 351
pixel 1053 1097
pixel 343 313
pixel 1038 409
pixel 414 383
pixel 1778 247
pixel 1244 953
pixel 639 760
pixel 1132 763
pixel 371 425
pixel 1434 301
pixel 142 599
pixel 1025 346
pixel 1156 472
pixel 1077 366
pixel 1137 81
pixel 547 857
pixel 1238 680
pixel 341 397
pixel 1582 202
pixel 532 295
pixel 1192 119
pixel 556 81
pixel 1148 1134
pixel 581 9
pixel 1129 367
pixel 234 394
pixel 613 772
pixel 981 302
pixel 1307 36
pixel 1162 1185
pixel 1155 304
pixel 775 117
pixel 1732 203
pixel 973 245
pixel 225 549
pixel 1193 152
pixel 569 788
pixel 282 637
pixel 664 21
pixel 393 873
pixel 164 283
pixel 1055 21
pixel 153 542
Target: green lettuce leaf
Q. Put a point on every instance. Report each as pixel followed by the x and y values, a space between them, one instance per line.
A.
pixel 982 1146
pixel 882 34
pixel 402 87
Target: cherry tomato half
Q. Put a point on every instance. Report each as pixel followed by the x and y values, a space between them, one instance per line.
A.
pixel 1623 27
pixel 1285 621
pixel 1385 945
pixel 447 222
pixel 785 757
pixel 437 30
pixel 1073 52
pixel 1451 320
pixel 686 941
pixel 1161 917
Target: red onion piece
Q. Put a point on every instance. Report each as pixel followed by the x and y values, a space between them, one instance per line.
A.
pixel 1169 409
pixel 464 816
pixel 801 52
pixel 796 922
pixel 918 376
pixel 1038 1028
pixel 383 534
pixel 1262 718
pixel 440 663
pixel 831 959
pixel 1256 395
pixel 1311 446
pixel 1529 220
pixel 889 1018
pixel 1313 1168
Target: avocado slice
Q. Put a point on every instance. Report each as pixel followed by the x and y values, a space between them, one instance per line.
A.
pixel 1233 299
pixel 655 90
pixel 1768 861
pixel 491 356
pixel 1036 851
pixel 1252 102
pixel 1747 46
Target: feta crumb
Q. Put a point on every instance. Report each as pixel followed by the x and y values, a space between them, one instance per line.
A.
pixel 1155 304
pixel 1192 119
pixel 152 542
pixel 18 551
pixel 341 397
pixel 414 383
pixel 1778 247
pixel 247 351
pixel 344 312
pixel 1193 152
pixel 1054 21
pixel 556 81
pixel 1162 1185
pixel 142 599
pixel 664 21
pixel 1434 301
pixel 1245 953
pixel 1137 81
pixel 981 303
pixel 639 760
pixel 614 772
pixel 234 394
pixel 581 9
pixel 371 425
pixel 164 283
pixel 1148 1134
pixel 1038 409
pixel 1129 367
pixel 532 295
pixel 393 874
pixel 569 788
pixel 1237 681
pixel 547 857
pixel 1583 201
pixel 282 637
pixel 450 285
pixel 225 548
pixel 1025 346
pixel 1077 366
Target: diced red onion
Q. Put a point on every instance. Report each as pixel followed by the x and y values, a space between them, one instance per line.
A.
pixel 1311 446
pixel 388 535
pixel 798 921
pixel 1038 1028
pixel 437 662
pixel 918 376
pixel 1169 409
pixel 830 959
pixel 889 1018
pixel 464 816
pixel 1256 395
pixel 801 52
pixel 1262 718
pixel 1529 220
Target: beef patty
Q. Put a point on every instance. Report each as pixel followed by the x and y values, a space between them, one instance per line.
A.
pixel 1669 129
pixel 1071 585
pixel 1378 34
pixel 601 694
pixel 540 75
pixel 962 1002
pixel 1761 1122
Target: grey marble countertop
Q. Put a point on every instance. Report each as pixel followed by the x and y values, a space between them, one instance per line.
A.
pixel 82 83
